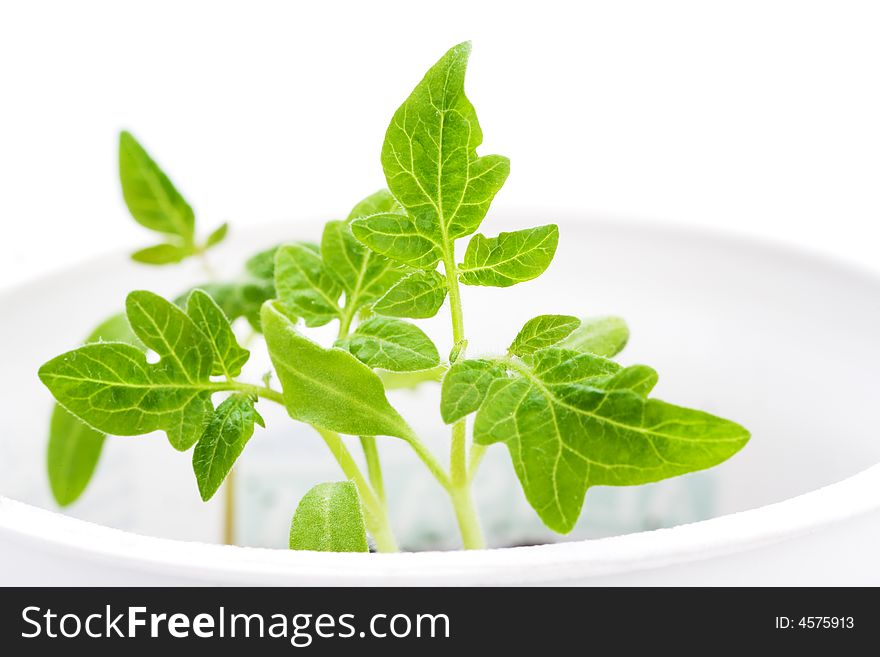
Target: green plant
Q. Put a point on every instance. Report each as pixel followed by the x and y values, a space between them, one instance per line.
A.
pixel 570 416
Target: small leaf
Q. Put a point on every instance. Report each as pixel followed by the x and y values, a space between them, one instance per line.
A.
pixel 363 274
pixel 542 331
pixel 151 198
pixel 237 299
pixel 564 437
pixel 557 365
pixel 509 258
pixel 329 518
pixel 304 285
pixel 392 344
pixel 431 164
pixel 73 453
pixel 328 388
pixel 604 336
pixel 217 235
pixel 161 254
pixel 74 448
pixel 262 264
pixel 465 386
pixel 209 318
pixel 400 238
pixel 419 296
pixel 112 387
pixel 230 428
pixel 376 203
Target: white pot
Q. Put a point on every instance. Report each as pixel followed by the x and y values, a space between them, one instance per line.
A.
pixel 782 342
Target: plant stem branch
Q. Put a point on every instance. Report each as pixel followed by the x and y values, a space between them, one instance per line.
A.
pixel 460 492
pixel 430 461
pixel 374 467
pixel 229 509
pixel 260 391
pixel 374 512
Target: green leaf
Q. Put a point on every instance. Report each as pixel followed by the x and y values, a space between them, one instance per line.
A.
pixel 392 344
pixel 75 448
pixel 72 456
pixel 605 336
pixel 542 331
pixel 560 365
pixel 217 235
pixel 465 386
pixel 430 160
pixel 112 387
pixel 328 388
pixel 363 274
pixel 565 437
pixel 237 299
pixel 262 264
pixel 399 237
pixel 151 198
pixel 329 518
pixel 510 258
pixel 419 296
pixel 556 365
pixel 161 254
pixel 381 201
pixel 209 318
pixel 229 430
pixel 304 285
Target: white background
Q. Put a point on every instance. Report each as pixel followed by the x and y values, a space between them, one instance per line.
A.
pixel 756 117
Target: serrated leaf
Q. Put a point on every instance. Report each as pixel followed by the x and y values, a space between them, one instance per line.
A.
pixel 557 365
pixel 565 437
pixel 303 284
pixel 401 238
pixel 161 254
pixel 392 344
pixel 328 388
pixel 560 365
pixel 228 431
pixel 604 336
pixel 75 448
pixel 542 331
pixel 238 299
pixel 375 203
pixel 112 387
pixel 363 274
pixel 419 296
pixel 209 318
pixel 510 258
pixel 430 160
pixel 217 235
pixel 329 518
pixel 150 196
pixel 465 386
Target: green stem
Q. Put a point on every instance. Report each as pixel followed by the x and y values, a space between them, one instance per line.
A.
pixel 468 520
pixel 374 467
pixel 374 512
pixel 430 461
pixel 462 498
pixel 345 323
pixel 260 391
pixel 229 509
